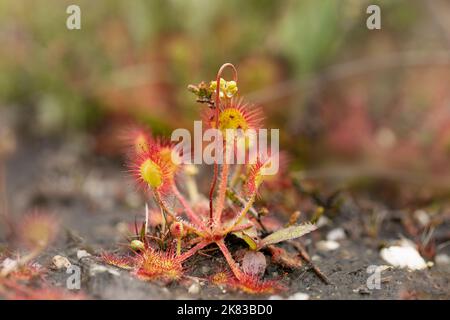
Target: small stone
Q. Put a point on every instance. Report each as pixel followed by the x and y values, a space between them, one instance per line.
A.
pixel 82 254
pixel 403 256
pixel 8 265
pixel 323 221
pixel 326 245
pixel 422 217
pixel 96 268
pixel 194 288
pixel 299 296
pixel 61 262
pixel 275 297
pixel 442 259
pixel 336 234
pixel 362 290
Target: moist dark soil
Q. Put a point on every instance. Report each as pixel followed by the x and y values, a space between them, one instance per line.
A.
pixel 94 198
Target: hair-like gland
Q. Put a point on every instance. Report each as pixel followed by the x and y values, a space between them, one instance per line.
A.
pixel 221 278
pixel 159 265
pixel 253 285
pixel 15 290
pixel 249 284
pixel 166 153
pixel 137 139
pixel 141 142
pixel 126 263
pixel 26 272
pixel 255 176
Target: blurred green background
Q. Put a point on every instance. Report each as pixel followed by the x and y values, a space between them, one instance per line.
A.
pixel 337 90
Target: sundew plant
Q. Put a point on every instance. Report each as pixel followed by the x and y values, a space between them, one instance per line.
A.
pixel 187 221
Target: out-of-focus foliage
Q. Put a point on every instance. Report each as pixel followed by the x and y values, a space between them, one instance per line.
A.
pixel 132 57
pixel 320 73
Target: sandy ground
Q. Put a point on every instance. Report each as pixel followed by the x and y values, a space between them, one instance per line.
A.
pixel 94 198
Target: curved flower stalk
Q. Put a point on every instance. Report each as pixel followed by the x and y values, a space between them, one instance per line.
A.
pixel 193 225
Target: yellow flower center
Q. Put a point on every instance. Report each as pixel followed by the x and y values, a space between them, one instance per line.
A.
pixel 232 118
pixel 151 173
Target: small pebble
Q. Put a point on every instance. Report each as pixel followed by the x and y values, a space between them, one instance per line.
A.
pixel 323 221
pixel 165 290
pixel 299 296
pixel 82 254
pixel 194 288
pixel 326 245
pixel 336 234
pixel 362 290
pixel 315 257
pixel 403 256
pixel 422 217
pixel 442 259
pixel 61 262
pixel 96 268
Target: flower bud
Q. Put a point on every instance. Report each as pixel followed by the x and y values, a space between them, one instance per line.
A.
pixel 177 230
pixel 137 245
